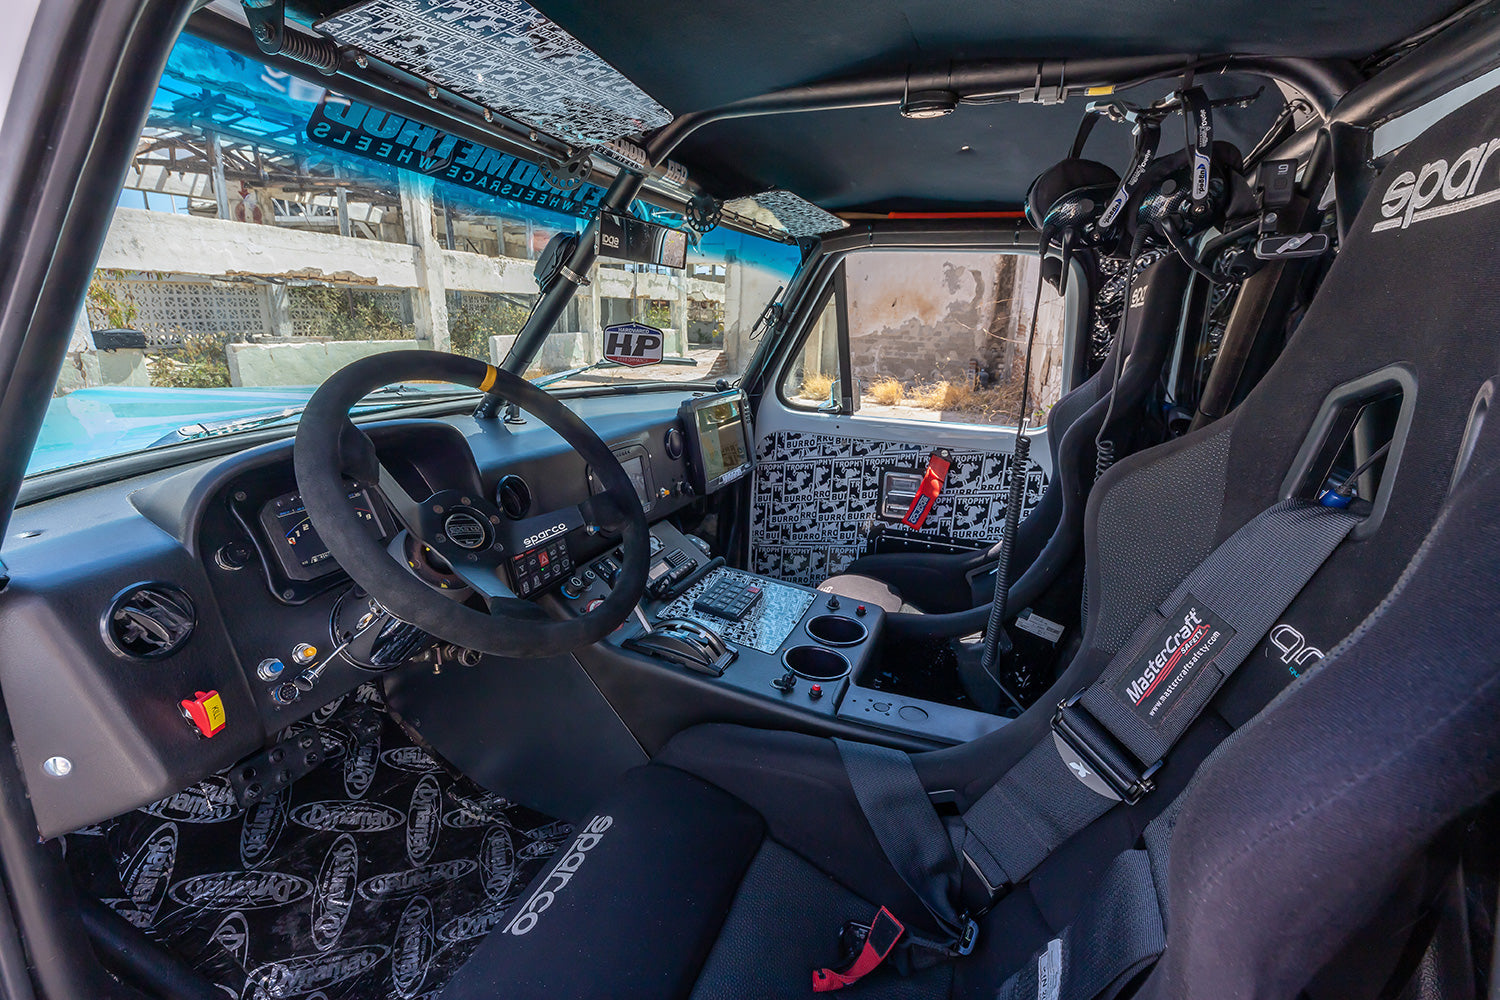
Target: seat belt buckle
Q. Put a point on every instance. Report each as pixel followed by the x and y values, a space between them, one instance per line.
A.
pixel 969 938
pixel 1084 746
pixel 874 945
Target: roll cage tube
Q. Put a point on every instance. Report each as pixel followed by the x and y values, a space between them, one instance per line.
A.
pixel 555 299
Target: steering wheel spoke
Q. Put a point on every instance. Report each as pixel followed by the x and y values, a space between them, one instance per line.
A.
pixel 488 583
pixel 401 504
pixel 521 536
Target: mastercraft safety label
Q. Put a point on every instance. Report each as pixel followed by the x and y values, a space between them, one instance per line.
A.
pixel 1188 641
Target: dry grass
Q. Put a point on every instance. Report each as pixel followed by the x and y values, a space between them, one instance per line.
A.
pixel 887 391
pixel 961 397
pixel 815 385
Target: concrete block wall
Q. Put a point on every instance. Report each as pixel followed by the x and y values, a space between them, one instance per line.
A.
pixel 164 243
pixel 301 364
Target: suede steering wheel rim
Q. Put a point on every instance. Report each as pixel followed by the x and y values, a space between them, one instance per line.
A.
pixel 462 524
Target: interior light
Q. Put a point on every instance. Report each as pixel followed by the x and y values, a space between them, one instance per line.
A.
pixel 929 104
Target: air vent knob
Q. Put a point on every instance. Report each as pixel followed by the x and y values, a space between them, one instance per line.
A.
pixel 149 621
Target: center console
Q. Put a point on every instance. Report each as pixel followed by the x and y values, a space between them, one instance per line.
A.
pixel 777 640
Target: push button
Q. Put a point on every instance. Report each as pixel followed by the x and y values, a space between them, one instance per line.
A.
pixel 205 711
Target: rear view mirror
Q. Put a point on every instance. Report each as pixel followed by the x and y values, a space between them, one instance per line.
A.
pixel 625 238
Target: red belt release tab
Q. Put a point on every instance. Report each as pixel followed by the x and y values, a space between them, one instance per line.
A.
pixel 932 485
pixel 885 931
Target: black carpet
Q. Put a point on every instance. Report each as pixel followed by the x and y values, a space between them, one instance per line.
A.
pixel 375 875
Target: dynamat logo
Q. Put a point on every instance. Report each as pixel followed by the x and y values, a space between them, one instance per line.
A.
pixel 497 863
pixel 473 924
pixel 1179 653
pixel 397 884
pixel 1439 188
pixel 148 874
pixel 240 890
pixel 559 877
pixel 333 895
pixel 542 536
pixel 412 949
pixel 536 849
pixel 471 813
pixel 347 817
pixel 411 759
pixel 359 768
pixel 325 713
pixel 210 801
pixel 263 824
pixel 305 973
pixel 337 743
pixel 423 820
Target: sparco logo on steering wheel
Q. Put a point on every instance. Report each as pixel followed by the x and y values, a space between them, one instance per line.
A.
pixel 542 536
pixel 465 530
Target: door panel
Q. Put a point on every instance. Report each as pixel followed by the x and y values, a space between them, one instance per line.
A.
pixel 917 327
pixel 818 479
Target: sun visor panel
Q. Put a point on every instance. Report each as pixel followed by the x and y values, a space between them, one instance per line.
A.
pixel 786 212
pixel 507 56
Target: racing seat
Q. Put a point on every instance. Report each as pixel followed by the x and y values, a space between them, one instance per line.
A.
pixel 728 865
pixel 1047 539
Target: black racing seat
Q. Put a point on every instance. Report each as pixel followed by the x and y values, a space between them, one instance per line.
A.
pixel 1048 538
pixel 728 865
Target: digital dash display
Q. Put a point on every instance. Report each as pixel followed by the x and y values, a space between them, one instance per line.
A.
pixel 295 542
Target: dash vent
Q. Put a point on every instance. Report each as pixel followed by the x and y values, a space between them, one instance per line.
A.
pixel 514 497
pixel 149 621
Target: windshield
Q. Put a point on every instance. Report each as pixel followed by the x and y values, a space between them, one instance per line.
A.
pixel 270 231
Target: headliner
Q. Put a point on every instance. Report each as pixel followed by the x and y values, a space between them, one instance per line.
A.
pixel 697 54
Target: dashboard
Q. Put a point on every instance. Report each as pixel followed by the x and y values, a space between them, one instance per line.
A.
pixel 229 540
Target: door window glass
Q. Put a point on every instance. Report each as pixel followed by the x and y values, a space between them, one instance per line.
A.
pixel 939 336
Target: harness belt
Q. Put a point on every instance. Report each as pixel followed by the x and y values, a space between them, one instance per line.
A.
pixel 1107 741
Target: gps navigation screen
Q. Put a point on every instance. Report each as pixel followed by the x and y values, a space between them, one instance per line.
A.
pixel 721 433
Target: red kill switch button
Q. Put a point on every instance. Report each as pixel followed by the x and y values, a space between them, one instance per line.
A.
pixel 205 712
pixel 860 611
pixel 815 692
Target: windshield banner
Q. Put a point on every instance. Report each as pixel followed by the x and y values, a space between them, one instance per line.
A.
pixel 341 123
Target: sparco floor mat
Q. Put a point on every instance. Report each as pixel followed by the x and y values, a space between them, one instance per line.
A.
pixel 373 876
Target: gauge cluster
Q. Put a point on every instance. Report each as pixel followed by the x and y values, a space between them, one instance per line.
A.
pixel 295 561
pixel 294 542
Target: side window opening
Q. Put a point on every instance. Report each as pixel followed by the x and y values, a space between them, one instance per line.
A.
pixel 815 367
pixel 936 336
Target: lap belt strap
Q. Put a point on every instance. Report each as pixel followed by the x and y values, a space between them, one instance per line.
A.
pixel 885 785
pixel 1116 935
pixel 1108 741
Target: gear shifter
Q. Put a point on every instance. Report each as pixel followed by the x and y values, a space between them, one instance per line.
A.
pixel 687 643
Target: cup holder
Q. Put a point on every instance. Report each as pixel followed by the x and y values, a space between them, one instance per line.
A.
pixel 815 663
pixel 836 630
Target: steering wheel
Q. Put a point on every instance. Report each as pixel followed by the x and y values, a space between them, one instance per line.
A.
pixel 461 523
